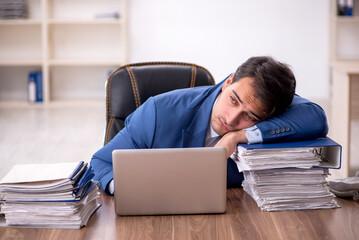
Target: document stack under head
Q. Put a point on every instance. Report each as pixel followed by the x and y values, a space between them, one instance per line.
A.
pixel 289 176
pixel 48 196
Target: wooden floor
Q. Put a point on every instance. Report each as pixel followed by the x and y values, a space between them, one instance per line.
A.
pixel 59 132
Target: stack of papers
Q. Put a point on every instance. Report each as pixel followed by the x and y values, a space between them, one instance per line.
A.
pixel 48 195
pixel 257 159
pixel 284 179
pixel 289 189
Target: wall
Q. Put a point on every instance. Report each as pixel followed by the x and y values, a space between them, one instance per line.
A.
pixel 220 35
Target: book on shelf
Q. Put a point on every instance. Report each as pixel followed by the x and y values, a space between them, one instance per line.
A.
pixel 345 7
pixel 13 9
pixel 107 15
pixel 291 175
pixel 35 91
pixel 61 195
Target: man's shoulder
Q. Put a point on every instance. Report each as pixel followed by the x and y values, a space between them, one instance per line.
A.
pixel 184 97
pixel 298 100
pixel 186 91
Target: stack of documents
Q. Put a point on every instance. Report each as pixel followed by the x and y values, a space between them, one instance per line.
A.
pixel 254 159
pixel 287 177
pixel 48 195
pixel 289 189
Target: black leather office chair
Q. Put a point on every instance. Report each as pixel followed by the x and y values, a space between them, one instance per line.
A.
pixel 131 85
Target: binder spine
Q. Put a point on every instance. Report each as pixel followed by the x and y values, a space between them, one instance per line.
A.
pixel 39 87
pixel 35 91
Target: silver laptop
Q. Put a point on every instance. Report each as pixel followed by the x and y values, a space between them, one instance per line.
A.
pixel 170 181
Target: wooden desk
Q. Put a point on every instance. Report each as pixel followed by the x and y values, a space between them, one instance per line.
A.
pixel 243 220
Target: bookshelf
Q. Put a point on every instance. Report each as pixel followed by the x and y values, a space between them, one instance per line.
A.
pixel 344 34
pixel 344 67
pixel 75 44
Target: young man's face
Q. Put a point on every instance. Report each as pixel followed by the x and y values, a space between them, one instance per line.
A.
pixel 237 107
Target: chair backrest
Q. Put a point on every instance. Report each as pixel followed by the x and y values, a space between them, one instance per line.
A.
pixel 131 85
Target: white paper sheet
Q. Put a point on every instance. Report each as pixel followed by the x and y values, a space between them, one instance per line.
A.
pixel 39 172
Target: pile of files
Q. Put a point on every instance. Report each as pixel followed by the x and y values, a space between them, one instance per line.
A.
pixel 48 196
pixel 13 9
pixel 279 177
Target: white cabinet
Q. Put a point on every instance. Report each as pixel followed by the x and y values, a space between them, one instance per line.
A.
pixel 75 43
pixel 344 119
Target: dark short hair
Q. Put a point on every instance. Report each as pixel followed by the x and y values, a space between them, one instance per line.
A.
pixel 274 82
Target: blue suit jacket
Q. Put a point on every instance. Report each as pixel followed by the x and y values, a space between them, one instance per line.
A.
pixel 180 118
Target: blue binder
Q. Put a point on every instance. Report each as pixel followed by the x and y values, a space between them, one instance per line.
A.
pixel 35 91
pixel 330 151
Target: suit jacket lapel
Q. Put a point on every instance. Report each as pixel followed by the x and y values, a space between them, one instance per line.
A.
pixel 195 134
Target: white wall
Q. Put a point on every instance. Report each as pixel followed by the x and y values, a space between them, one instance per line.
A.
pixel 220 35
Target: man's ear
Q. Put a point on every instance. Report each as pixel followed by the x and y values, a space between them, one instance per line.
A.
pixel 227 81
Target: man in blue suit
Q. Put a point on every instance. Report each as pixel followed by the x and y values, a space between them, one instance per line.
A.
pixel 256 104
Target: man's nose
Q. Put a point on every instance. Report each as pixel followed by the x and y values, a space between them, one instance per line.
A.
pixel 233 117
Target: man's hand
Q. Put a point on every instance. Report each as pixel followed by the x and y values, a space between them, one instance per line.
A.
pixel 230 140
